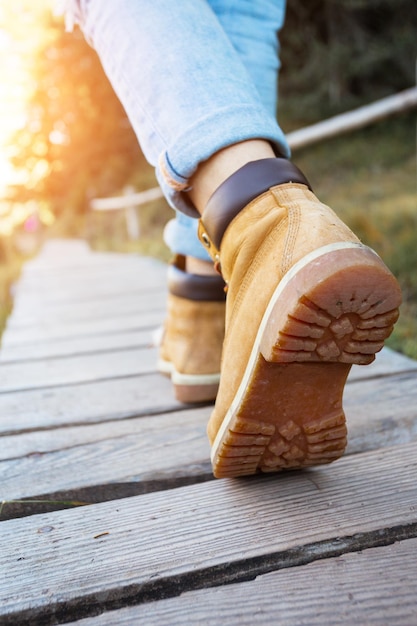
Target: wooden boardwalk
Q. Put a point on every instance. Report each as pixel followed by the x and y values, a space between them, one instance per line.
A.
pixel 84 417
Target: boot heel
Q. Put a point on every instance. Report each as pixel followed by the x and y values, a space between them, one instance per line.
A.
pixel 338 307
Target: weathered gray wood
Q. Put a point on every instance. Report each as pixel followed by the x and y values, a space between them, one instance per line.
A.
pixel 391 398
pixel 135 450
pixel 132 451
pixel 62 251
pixel 133 268
pixel 381 413
pixel 85 312
pixel 98 288
pixel 76 346
pixel 87 403
pixel 76 369
pixel 80 328
pixel 62 314
pixel 180 425
pixel 16 375
pixel 387 362
pixel 377 586
pixel 102 287
pixel 88 264
pixel 376 419
pixel 133 548
pixel 55 289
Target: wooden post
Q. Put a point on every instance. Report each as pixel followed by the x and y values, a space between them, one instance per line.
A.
pixel 132 217
pixel 130 202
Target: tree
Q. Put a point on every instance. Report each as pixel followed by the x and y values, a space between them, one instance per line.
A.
pixel 77 142
pixel 337 54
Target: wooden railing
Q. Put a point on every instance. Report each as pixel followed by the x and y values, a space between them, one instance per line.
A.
pixel 130 201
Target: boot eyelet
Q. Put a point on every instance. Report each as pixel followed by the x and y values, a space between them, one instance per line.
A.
pixel 206 240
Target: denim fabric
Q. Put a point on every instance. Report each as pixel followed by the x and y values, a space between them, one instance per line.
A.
pixel 194 76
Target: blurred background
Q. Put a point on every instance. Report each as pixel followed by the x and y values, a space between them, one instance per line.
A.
pixel 66 142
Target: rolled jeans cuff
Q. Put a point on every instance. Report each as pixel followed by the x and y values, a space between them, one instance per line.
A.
pixel 226 127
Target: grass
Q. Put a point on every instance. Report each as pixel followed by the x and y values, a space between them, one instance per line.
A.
pixel 368 177
pixel 107 231
pixel 11 262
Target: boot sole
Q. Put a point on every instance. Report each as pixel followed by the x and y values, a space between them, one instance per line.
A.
pixel 191 388
pixel 332 309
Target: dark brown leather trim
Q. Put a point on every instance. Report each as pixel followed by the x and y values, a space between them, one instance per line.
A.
pixel 242 187
pixel 194 286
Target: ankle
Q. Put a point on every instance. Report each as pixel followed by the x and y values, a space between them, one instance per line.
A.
pixel 213 172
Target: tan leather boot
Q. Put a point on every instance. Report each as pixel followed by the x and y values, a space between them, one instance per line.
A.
pixel 193 335
pixel 305 301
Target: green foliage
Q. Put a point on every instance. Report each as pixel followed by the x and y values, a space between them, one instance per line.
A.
pixel 10 266
pixel 397 243
pixel 337 54
pixel 369 178
pixel 77 142
pixel 107 230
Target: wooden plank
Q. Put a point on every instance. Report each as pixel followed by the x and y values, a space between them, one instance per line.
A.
pixel 135 275
pixel 62 313
pixel 16 375
pixel 87 403
pixel 387 362
pixel 76 346
pixel 382 412
pixel 77 369
pixel 81 328
pixel 40 316
pixel 92 290
pixel 345 590
pixel 180 424
pixel 157 544
pixel 91 263
pixel 62 251
pixel 131 274
pixel 378 416
pixel 174 444
pixel 135 451
pixel 387 398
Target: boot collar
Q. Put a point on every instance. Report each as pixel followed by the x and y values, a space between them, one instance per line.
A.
pixel 249 182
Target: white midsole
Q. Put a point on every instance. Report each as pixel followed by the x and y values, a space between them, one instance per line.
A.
pixel 166 367
pixel 312 256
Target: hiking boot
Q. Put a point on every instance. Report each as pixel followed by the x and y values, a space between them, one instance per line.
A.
pixel 305 300
pixel 193 334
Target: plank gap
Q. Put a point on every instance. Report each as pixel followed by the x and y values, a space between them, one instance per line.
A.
pixel 63 357
pixel 80 383
pixel 239 571
pixel 111 417
pixel 382 375
pixel 85 496
pixel 146 327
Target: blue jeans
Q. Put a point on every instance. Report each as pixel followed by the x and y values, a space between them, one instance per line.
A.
pixel 194 76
